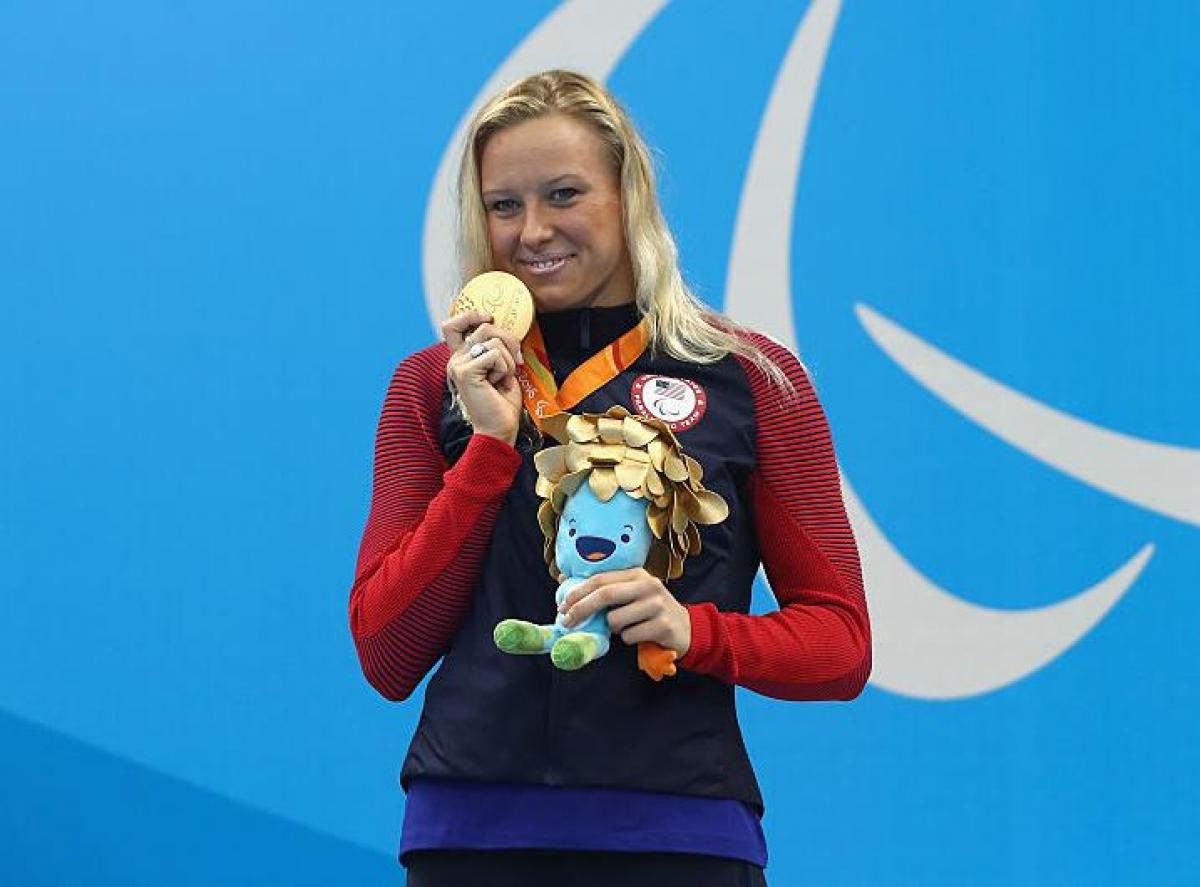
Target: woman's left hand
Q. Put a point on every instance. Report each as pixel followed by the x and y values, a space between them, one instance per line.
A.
pixel 641 608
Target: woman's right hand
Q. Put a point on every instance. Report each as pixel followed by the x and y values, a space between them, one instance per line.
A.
pixel 487 385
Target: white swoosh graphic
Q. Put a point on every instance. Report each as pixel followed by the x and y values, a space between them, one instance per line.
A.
pixel 929 644
pixel 758 286
pixel 584 35
pixel 1160 477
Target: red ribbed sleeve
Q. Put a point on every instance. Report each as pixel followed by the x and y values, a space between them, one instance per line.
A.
pixel 818 644
pixel 426 533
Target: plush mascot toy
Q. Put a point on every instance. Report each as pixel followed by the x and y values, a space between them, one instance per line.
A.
pixel 619 493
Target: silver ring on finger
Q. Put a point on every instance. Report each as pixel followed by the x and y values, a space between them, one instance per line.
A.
pixel 477 349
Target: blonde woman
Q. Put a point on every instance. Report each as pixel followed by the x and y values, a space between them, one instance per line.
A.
pixel 520 772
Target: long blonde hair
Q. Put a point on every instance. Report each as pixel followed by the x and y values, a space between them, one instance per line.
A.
pixel 680 324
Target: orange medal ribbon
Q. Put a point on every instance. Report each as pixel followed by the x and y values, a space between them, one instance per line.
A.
pixel 543 397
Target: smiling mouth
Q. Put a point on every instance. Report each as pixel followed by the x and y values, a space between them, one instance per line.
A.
pixel 542 267
pixel 594 548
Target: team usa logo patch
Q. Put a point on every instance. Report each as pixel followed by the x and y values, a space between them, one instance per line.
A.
pixel 678 402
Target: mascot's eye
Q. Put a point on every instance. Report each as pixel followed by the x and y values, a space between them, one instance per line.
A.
pixel 624 537
pixel 571 532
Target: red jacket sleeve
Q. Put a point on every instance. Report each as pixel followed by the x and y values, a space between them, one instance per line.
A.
pixel 818 644
pixel 426 533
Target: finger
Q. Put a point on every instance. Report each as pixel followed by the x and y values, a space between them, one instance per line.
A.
pixel 466 320
pixel 611 595
pixel 510 373
pixel 621 618
pixel 486 331
pixel 503 370
pixel 508 385
pixel 652 630
pixel 458 368
pixel 479 333
pixel 456 328
pixel 497 344
pixel 506 366
pixel 576 594
pixel 600 579
pixel 512 343
pixel 482 368
pixel 473 348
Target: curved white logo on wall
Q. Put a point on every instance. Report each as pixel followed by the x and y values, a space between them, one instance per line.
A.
pixel 678 402
pixel 929 642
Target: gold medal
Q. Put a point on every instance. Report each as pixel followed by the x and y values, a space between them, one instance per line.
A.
pixel 501 295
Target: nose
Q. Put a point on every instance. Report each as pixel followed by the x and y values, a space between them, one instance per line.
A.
pixel 536 231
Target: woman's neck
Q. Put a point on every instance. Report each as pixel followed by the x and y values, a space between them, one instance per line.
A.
pixel 587 330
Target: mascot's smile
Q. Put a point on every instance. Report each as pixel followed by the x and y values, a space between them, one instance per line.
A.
pixel 594 548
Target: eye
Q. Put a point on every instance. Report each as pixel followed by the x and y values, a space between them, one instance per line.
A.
pixel 571 532
pixel 505 206
pixel 624 537
pixel 563 195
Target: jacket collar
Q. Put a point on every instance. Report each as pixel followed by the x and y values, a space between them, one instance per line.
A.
pixel 586 330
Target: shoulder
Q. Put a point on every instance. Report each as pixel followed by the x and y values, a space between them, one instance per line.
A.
pixel 427 363
pixel 777 354
pixel 419 382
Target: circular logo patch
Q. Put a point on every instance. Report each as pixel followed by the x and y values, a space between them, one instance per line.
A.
pixel 678 402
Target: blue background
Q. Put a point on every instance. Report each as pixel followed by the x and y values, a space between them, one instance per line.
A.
pixel 210 228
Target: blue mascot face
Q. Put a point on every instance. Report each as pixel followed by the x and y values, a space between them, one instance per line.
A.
pixel 596 537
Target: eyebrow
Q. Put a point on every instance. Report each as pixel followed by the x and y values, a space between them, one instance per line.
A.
pixel 495 192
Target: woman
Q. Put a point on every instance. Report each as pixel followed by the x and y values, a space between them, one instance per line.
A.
pixel 518 772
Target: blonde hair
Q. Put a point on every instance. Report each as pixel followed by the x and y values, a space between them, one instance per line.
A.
pixel 680 324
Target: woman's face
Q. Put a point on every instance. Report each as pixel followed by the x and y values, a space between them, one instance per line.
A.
pixel 553 205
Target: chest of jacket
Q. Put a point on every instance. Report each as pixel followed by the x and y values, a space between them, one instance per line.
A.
pixel 492 716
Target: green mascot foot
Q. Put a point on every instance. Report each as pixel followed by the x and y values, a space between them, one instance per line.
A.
pixel 517 636
pixel 574 651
